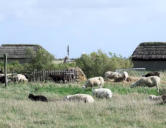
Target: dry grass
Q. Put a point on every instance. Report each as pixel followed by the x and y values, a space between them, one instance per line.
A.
pixel 132 110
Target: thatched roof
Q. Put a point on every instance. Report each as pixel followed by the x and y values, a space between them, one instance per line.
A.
pixel 150 51
pixel 17 51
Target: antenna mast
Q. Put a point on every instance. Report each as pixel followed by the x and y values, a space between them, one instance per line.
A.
pixel 68 51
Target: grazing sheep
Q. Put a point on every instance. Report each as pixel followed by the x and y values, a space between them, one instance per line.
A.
pixel 102 93
pixel 57 77
pixel 122 77
pixel 38 98
pixel 111 75
pixel 80 97
pixel 2 78
pixel 147 81
pixel 116 76
pixel 154 97
pixel 99 81
pixel 152 74
pixel 20 78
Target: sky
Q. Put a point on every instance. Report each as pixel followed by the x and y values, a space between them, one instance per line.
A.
pixel 116 26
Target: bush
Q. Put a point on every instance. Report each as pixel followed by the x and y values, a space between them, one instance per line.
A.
pixel 97 63
pixel 14 66
pixel 41 60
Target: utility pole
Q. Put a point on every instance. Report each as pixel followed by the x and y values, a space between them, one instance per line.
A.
pixel 68 51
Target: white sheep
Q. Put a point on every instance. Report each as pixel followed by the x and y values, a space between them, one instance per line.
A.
pixel 111 75
pixel 102 93
pixel 80 97
pixel 116 76
pixel 95 81
pixel 154 97
pixel 147 81
pixel 20 78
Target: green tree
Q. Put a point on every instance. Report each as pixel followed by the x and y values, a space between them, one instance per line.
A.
pixel 41 59
pixel 97 63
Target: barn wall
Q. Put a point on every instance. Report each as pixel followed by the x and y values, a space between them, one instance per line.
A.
pixel 150 65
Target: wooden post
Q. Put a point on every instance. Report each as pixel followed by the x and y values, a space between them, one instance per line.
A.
pixel 5 68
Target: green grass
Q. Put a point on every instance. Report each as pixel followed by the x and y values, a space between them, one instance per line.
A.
pixel 63 90
pixel 128 108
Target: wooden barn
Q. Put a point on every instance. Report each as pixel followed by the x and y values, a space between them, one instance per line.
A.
pixel 17 52
pixel 150 55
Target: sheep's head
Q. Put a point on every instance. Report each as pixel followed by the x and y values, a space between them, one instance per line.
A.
pixel 30 96
pixel 85 85
pixel 132 86
pixel 67 97
pixel 125 74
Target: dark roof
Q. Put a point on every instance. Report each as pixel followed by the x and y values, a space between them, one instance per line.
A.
pixel 150 51
pixel 17 51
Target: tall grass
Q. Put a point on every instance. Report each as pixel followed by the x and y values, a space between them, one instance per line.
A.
pixel 129 108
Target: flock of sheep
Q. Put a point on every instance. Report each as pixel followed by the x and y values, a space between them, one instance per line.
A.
pixel 13 78
pixel 150 80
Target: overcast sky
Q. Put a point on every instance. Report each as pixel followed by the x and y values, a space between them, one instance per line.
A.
pixel 116 26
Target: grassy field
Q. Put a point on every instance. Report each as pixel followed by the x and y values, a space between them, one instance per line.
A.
pixel 129 108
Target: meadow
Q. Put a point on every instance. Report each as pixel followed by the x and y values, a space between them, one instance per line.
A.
pixel 128 108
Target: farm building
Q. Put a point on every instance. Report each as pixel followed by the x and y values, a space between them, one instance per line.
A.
pixel 150 55
pixel 17 52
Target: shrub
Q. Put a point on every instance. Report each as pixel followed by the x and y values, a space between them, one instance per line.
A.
pixel 97 63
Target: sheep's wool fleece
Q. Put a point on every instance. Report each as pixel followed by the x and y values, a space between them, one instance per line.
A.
pixel 148 81
pixel 81 97
pixel 103 92
pixel 95 81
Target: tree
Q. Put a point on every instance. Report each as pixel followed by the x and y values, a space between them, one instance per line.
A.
pixel 41 59
pixel 97 63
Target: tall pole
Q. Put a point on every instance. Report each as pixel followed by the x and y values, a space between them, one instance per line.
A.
pixel 68 51
pixel 5 68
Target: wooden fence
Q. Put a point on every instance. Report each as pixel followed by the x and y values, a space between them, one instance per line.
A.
pixel 68 75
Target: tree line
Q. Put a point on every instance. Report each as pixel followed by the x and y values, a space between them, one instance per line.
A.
pixel 93 64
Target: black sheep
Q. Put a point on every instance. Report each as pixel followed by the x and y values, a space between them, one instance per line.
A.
pixel 38 98
pixel 152 74
pixel 57 77
pixel 2 79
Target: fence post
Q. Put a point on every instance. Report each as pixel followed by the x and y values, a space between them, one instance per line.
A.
pixel 5 68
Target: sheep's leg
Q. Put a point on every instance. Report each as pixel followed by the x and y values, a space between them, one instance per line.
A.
pixel 100 85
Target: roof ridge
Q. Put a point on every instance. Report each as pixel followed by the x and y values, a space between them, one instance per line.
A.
pixel 152 43
pixel 19 45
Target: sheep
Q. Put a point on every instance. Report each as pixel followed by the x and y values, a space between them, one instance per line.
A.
pixel 102 93
pixel 80 97
pixel 154 97
pixel 116 76
pixel 111 75
pixel 38 98
pixel 152 74
pixel 99 81
pixel 147 81
pixel 20 78
pixel 58 77
pixel 122 77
